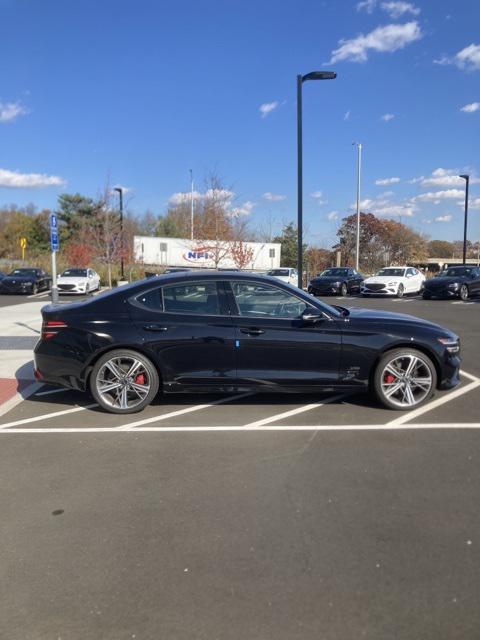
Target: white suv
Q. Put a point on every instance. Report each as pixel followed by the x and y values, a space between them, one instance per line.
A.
pixel 285 274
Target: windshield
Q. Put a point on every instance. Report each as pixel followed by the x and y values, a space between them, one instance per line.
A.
pixel 23 273
pixel 278 272
pixel 74 273
pixel 391 272
pixel 334 272
pixel 457 271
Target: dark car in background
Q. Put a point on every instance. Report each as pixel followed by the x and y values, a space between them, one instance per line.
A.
pixel 26 280
pixel 337 280
pixel 225 332
pixel 454 282
pixel 2 275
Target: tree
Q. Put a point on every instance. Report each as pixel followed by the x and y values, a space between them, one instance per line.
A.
pixel 289 245
pixel 318 259
pixel 440 249
pixel 74 212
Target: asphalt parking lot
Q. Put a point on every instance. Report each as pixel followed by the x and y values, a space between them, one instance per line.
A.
pixel 247 516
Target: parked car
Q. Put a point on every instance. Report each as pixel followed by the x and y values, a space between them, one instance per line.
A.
pixel 454 282
pixel 222 332
pixel 78 281
pixel 286 274
pixel 25 280
pixel 2 275
pixel 394 281
pixel 338 280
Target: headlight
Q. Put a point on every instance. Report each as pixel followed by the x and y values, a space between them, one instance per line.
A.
pixel 453 285
pixel 337 284
pixel 450 344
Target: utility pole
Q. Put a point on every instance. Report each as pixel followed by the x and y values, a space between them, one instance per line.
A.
pixel 120 193
pixel 191 204
pixel 359 177
pixel 467 182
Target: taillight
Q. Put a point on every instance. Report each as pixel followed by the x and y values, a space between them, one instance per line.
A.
pixel 50 328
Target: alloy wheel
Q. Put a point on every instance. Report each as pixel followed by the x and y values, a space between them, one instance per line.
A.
pixel 400 291
pixel 406 381
pixel 464 292
pixel 123 382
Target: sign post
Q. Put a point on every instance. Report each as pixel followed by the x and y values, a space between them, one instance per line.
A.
pixel 55 245
pixel 23 245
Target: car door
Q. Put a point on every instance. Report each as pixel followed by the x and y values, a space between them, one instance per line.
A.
pixel 275 347
pixel 474 287
pixel 411 281
pixel 187 328
pixel 354 280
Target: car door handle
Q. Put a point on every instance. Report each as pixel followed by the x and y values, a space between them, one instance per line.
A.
pixel 252 331
pixel 155 327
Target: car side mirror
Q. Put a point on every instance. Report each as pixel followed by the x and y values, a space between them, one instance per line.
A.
pixel 311 315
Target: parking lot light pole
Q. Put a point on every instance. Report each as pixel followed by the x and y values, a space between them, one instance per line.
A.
pixel 467 182
pixel 120 193
pixel 359 171
pixel 314 75
pixel 191 204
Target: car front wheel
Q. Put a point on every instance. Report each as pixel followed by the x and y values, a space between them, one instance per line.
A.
pixel 400 291
pixel 463 294
pixel 124 381
pixel 343 289
pixel 404 379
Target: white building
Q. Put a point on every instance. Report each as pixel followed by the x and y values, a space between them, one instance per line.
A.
pixel 180 252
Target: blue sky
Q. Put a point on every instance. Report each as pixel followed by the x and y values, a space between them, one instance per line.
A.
pixel 138 92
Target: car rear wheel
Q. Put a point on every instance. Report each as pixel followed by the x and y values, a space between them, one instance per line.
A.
pixel 124 381
pixel 463 294
pixel 343 289
pixel 400 291
pixel 404 379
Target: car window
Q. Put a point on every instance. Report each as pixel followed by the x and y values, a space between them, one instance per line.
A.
pixel 391 272
pixel 151 299
pixel 410 272
pixel 192 297
pixel 278 272
pixel 263 301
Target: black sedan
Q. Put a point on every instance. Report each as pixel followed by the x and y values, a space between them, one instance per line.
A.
pixel 338 280
pixel 224 332
pixel 25 280
pixel 454 282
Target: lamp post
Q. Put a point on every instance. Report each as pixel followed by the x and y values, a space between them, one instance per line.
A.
pixel 359 171
pixel 120 193
pixel 314 75
pixel 191 204
pixel 467 182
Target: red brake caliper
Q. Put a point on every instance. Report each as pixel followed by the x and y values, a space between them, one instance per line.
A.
pixel 388 378
pixel 140 379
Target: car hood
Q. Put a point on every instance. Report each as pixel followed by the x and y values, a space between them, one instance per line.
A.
pixel 382 279
pixel 375 315
pixel 71 279
pixel 18 279
pixel 446 280
pixel 323 279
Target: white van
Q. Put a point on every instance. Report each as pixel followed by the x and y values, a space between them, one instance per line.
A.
pixel 285 274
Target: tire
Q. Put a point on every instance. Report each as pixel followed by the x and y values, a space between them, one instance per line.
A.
pixel 390 379
pixel 400 290
pixel 34 290
pixel 426 295
pixel 124 398
pixel 463 293
pixel 344 290
pixel 87 290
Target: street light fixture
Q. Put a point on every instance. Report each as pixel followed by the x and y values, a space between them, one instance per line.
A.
pixel 467 182
pixel 120 193
pixel 359 170
pixel 314 75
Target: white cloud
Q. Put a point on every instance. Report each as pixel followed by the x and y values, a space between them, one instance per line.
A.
pixel 273 197
pixel 267 107
pixel 438 196
pixel 318 196
pixel 333 215
pixel 471 108
pixel 16 180
pixel 388 38
pixel 472 204
pixel 222 195
pixel 366 5
pixel 184 196
pixel 243 210
pixel 387 117
pixel 383 206
pixel 444 178
pixel 10 111
pixel 467 59
pixel 346 115
pixel 124 189
pixel 446 218
pixel 385 181
pixel 397 9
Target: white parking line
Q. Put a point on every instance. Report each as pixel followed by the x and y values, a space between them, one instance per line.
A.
pixel 294 412
pixel 308 427
pixel 46 416
pixel 180 412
